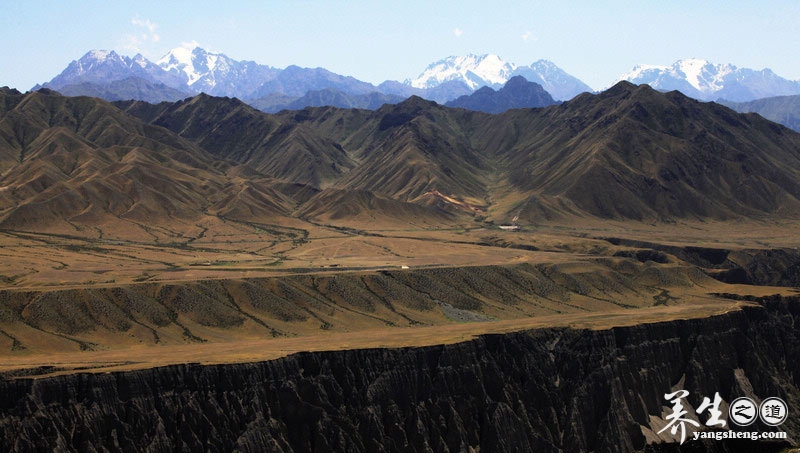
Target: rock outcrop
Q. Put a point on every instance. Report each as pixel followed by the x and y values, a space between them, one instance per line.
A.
pixel 550 390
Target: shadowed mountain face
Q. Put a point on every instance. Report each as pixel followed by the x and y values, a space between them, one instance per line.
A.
pixel 416 147
pixel 516 93
pixel 272 103
pixel 627 153
pixel 130 88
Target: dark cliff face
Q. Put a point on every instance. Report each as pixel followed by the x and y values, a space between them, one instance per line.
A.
pixel 552 390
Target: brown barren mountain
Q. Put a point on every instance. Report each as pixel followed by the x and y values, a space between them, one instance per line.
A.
pixel 634 153
pixel 281 147
pixel 82 160
pixel 627 153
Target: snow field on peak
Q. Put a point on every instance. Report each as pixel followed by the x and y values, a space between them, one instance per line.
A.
pixel 180 58
pixel 100 54
pixel 490 68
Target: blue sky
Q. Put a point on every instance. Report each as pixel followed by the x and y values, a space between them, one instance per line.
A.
pixel 596 41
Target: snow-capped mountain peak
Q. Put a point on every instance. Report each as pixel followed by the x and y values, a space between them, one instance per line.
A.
pixel 184 59
pixel 640 70
pixel 100 55
pixel 95 58
pixel 140 60
pixel 704 80
pixel 555 80
pixel 703 75
pixel 473 70
pixel 476 71
pixel 214 73
pixel 95 65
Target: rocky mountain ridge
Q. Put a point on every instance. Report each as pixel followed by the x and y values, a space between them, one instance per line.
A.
pixel 627 153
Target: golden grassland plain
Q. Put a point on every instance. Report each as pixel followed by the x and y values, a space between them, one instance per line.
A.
pixel 341 269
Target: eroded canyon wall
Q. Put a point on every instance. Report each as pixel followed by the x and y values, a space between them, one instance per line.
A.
pixel 550 390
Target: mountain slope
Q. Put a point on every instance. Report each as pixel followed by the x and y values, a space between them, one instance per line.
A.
pixel 72 163
pixel 82 161
pixel 297 81
pixel 401 151
pixel 230 129
pixel 631 152
pixel 516 93
pixel 332 205
pixel 416 147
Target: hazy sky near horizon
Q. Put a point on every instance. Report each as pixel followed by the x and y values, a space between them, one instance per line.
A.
pixel 596 41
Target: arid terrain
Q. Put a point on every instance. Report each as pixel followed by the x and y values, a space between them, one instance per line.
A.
pixel 145 248
pixel 237 292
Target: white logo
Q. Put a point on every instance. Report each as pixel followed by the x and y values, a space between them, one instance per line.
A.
pixel 773 411
pixel 743 411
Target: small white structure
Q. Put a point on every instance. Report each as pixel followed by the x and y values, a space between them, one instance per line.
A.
pixel 514 225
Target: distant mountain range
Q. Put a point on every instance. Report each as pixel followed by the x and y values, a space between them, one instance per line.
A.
pixel 129 88
pixel 275 102
pixel 706 81
pixel 476 71
pixel 781 109
pixel 200 71
pixel 186 71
